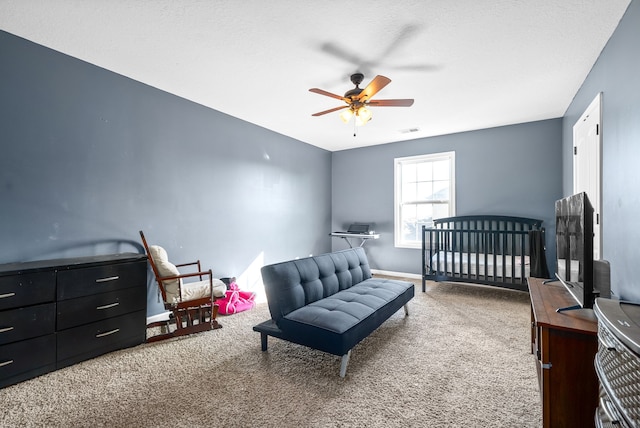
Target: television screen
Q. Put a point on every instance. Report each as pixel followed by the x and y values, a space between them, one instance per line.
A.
pixel 574 247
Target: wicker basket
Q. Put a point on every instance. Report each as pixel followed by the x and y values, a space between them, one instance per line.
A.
pixel 619 373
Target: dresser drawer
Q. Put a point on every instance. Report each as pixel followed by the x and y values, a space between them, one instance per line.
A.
pixel 27 289
pixel 25 323
pixel 90 340
pixel 28 358
pixel 88 309
pixel 81 282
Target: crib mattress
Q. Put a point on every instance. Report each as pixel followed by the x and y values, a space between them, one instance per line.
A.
pixel 466 264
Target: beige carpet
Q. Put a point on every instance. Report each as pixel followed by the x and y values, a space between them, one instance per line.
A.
pixel 461 359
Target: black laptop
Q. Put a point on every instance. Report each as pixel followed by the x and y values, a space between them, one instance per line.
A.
pixel 358 228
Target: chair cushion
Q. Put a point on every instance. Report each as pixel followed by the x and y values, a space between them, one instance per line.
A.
pixel 195 290
pixel 158 253
pixel 166 268
pixel 219 287
pixel 200 289
pixel 172 287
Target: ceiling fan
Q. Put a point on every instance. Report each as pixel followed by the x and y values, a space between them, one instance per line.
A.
pixel 358 99
pixel 364 63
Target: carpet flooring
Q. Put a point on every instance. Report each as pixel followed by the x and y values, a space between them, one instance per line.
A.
pixel 460 359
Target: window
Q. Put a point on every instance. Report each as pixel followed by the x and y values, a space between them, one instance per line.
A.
pixel 424 191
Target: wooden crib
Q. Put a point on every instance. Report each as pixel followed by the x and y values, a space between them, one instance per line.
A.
pixel 484 249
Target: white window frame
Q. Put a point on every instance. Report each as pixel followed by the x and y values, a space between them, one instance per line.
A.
pixel 398 163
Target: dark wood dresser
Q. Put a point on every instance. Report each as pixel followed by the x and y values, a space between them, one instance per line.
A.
pixel 54 313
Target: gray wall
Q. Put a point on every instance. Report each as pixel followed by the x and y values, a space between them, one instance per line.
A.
pixel 511 170
pixel 617 75
pixel 89 158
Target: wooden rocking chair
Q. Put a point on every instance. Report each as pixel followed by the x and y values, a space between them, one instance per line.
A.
pixel 192 304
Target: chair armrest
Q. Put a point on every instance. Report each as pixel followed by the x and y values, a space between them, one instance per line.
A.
pixel 188 275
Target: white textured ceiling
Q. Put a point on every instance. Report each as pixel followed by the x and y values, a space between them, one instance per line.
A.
pixel 469 64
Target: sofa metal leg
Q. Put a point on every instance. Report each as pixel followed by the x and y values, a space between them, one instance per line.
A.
pixel 263 341
pixel 344 363
pixel 406 309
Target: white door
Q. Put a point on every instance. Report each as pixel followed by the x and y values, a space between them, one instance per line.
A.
pixel 587 164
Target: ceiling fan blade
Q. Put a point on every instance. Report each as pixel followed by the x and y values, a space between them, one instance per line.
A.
pixel 372 88
pixel 404 35
pixel 329 111
pixel 417 67
pixel 391 103
pixel 328 94
pixel 341 53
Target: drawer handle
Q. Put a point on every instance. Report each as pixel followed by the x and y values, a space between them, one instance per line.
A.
pixel 107 306
pixel 6 329
pixel 4 296
pixel 6 363
pixel 111 278
pixel 108 333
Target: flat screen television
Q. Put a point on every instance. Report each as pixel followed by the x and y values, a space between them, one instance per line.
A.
pixel 574 249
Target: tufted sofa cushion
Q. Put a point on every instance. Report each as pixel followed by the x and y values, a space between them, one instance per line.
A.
pixel 294 284
pixel 337 323
pixel 330 302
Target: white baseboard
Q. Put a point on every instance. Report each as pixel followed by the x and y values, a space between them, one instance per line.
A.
pixel 162 316
pixel 398 274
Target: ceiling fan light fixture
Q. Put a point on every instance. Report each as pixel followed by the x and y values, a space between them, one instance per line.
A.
pixel 346 115
pixel 357 99
pixel 363 115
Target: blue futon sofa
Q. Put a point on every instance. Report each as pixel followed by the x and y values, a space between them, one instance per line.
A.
pixel 329 302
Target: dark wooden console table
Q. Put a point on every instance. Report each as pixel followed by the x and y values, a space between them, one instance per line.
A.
pixel 565 345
